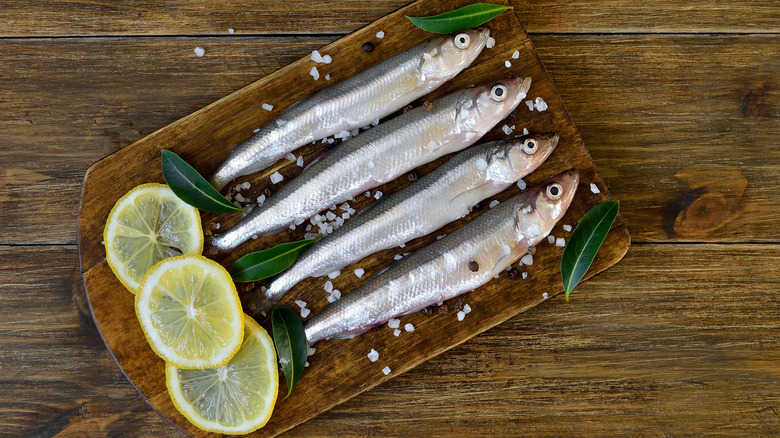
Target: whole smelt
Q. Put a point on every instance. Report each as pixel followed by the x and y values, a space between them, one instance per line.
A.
pixel 460 262
pixel 440 197
pixel 355 102
pixel 380 155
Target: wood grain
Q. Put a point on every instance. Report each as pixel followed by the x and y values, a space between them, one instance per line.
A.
pixel 215 17
pixel 66 104
pixel 661 344
pixel 338 371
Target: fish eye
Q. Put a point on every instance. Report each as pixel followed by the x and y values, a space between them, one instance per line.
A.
pixel 554 191
pixel 530 146
pixel 462 40
pixel 498 93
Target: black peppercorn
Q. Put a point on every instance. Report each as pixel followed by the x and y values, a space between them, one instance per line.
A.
pixel 368 47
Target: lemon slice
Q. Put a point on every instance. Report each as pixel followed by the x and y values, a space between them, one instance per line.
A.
pixel 189 311
pixel 147 225
pixel 236 398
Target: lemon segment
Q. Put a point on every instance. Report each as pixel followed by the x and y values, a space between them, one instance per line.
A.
pixel 236 398
pixel 148 224
pixel 190 312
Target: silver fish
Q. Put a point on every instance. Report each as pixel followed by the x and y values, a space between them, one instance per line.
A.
pixel 381 155
pixel 440 197
pixel 355 102
pixel 460 262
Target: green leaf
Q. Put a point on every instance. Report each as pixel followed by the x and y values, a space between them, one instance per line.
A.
pixel 263 264
pixel 585 242
pixel 459 19
pixel 191 187
pixel 290 343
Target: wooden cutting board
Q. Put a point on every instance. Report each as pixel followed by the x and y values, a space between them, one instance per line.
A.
pixel 340 369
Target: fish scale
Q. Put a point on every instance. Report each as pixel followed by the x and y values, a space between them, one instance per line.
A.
pixel 380 155
pixel 353 103
pixel 464 260
pixel 436 199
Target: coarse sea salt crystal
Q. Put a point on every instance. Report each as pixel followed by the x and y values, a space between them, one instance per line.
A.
pixel 370 164
pixel 240 198
pixel 246 185
pixel 551 238
pixel 231 30
pixel 560 242
pixel 530 104
pixel 380 34
pixel 490 43
pixel 334 274
pixel 396 333
pixel 507 130
pixel 311 351
pixel 330 216
pixel 368 194
pixel 540 104
pixel 328 286
pixel 527 259
pixel 377 195
pixel 544 295
pixel 267 107
pixel 292 227
pixel 299 162
pixel 345 216
pixel 493 203
pixel 332 299
pixel 442 236
pixel 386 370
pixel 466 309
pixel 461 315
pixel 300 303
pixel 327 77
pixel 315 56
pixel 525 131
pixel 394 323
pixel 276 178
pixel 103 242
pixel 327 59
pixel 521 184
pixel 594 188
pixel 398 257
pixel 290 157
pixel 516 54
pixel 283 361
pixel 314 73
pixel 336 294
pixel 305 312
pixel 409 327
pixel 525 275
pixel 481 164
pixel 373 356
pixel 427 56
pixel 199 51
pixel 567 228
pixel 507 64
pixel 359 272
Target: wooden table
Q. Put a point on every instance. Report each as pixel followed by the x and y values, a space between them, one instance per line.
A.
pixel 678 102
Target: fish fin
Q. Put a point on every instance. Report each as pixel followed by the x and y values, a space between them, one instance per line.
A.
pixel 467 192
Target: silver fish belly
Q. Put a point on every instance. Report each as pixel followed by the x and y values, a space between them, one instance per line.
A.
pixel 440 197
pixel 380 155
pixel 460 262
pixel 355 102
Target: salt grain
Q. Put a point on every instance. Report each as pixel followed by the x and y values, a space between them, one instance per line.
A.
pixel 305 312
pixel 397 257
pixel 594 189
pixel 231 30
pixel 560 242
pixel 199 51
pixel 336 294
pixel 267 107
pixel 103 242
pixel 396 333
pixel 386 370
pixel 331 299
pixel 540 104
pixel 240 198
pixel 300 161
pixel 567 228
pixel 525 131
pixel 314 73
pixel 521 184
pixel 544 295
pixel 409 327
pixel 377 195
pixel 327 77
pixel 246 185
pixel 490 43
pixel 461 315
pixel 551 238
pixel 368 194
pixel 466 309
pixel 276 178
pixel 530 104
pixel 311 351
pixel 507 64
pixel 394 323
pixel 527 259
pixel 441 237
pixel 359 273
pixel 334 274
pixel 283 361
pixel 327 59
pixel 481 164
pixel 493 203
pixel 373 356
pixel 516 54
pixel 328 286
pixel 525 275
pixel 300 303
pixel 290 157
pixel 380 35
pixel 507 130
pixel 315 56
pixel 330 216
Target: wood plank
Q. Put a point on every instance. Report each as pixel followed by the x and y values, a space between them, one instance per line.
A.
pixel 67 103
pixel 338 371
pixel 660 344
pixel 214 17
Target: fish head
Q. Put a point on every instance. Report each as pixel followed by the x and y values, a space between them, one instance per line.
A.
pixel 555 195
pixel 449 55
pixel 519 156
pixel 480 108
